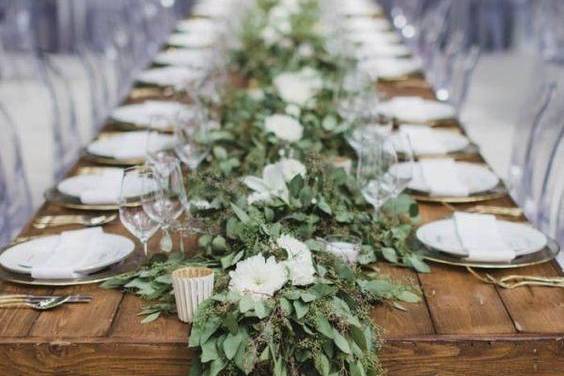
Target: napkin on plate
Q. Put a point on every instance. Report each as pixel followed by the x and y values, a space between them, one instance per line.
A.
pixel 423 140
pixel 441 178
pixel 70 253
pixel 107 189
pixel 480 237
pixel 416 109
pixel 130 145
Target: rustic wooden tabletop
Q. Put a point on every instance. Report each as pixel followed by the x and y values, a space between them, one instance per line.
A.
pixel 463 326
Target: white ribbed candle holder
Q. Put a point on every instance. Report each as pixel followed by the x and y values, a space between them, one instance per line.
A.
pixel 191 287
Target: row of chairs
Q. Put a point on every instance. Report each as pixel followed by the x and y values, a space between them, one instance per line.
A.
pixel 64 64
pixel 448 36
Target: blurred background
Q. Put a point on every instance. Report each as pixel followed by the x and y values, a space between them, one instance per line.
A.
pixel 64 64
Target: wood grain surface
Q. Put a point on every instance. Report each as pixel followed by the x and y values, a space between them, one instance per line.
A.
pixel 462 327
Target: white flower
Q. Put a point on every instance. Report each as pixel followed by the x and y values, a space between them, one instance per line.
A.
pixel 305 50
pixel 284 127
pixel 270 36
pixel 348 252
pixel 273 181
pixel 290 168
pixel 256 94
pixel 299 263
pixel 298 87
pixel 257 277
pixel 293 110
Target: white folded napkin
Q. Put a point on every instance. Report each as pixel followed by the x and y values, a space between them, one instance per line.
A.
pixel 416 110
pixel 170 76
pixel 71 251
pixel 130 145
pixel 107 189
pixel 480 237
pixel 423 140
pixel 390 68
pixel 192 40
pixel 441 178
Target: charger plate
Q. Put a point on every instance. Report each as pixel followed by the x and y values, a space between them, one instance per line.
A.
pixel 130 264
pixel 548 253
pixel 498 192
pixel 54 196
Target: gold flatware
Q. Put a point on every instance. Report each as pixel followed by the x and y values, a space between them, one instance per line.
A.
pixel 63 220
pixel 43 304
pixel 496 210
pixel 514 281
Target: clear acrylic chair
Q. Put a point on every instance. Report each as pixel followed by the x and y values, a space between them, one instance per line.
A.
pixel 531 118
pixel 15 197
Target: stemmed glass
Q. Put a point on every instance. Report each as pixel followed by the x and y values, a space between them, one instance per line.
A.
pixel 356 95
pixel 372 125
pixel 134 185
pixel 165 203
pixel 378 175
pixel 190 139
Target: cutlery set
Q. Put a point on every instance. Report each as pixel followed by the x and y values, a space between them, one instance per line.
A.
pixel 64 220
pixel 41 302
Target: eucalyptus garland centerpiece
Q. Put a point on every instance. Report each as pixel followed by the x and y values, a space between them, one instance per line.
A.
pixel 274 190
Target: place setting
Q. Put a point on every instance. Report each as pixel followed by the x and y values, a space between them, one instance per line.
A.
pixel 151 114
pixel 445 180
pixel 484 241
pixel 72 257
pixel 416 110
pixel 127 148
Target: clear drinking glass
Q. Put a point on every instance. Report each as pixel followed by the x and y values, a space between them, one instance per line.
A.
pixel 131 212
pixel 372 125
pixel 377 181
pixel 190 139
pixel 165 202
pixel 157 147
pixel 356 95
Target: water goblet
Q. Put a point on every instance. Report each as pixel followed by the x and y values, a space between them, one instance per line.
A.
pixel 131 212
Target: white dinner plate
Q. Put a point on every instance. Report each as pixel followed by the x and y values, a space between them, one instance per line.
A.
pixel 442 235
pixel 478 178
pixel 382 50
pixel 374 36
pixel 184 57
pixel 189 40
pixel 416 110
pixel 452 141
pixel 392 68
pixel 170 76
pixel 128 145
pixel 198 25
pixel 141 114
pixel 22 257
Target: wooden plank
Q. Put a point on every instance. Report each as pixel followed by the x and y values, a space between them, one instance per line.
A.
pixel 460 304
pixel 127 324
pixel 396 323
pixel 79 320
pixel 18 322
pixel 445 357
pixel 534 309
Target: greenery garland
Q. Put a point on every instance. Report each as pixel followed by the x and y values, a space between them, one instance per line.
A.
pixel 323 326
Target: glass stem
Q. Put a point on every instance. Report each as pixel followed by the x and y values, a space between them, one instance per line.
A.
pixel 146 248
pixel 166 241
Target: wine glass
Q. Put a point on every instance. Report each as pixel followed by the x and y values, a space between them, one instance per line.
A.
pixel 158 146
pixel 356 95
pixel 372 125
pixel 402 144
pixel 190 139
pixel 131 212
pixel 165 202
pixel 376 177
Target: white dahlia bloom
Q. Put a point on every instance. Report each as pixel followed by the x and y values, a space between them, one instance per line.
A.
pixel 299 263
pixel 257 277
pixel 298 87
pixel 284 127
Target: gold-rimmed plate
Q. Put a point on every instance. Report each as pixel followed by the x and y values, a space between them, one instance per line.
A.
pixel 548 253
pixel 495 193
pixel 130 264
pixel 54 196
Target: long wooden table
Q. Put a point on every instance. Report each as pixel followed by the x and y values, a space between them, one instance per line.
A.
pixel 463 326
